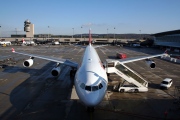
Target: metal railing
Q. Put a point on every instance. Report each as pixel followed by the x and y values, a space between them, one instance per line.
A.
pixel 130 73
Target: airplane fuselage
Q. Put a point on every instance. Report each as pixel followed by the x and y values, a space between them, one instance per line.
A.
pixel 91 78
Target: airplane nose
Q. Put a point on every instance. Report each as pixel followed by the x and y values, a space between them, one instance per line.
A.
pixel 92 99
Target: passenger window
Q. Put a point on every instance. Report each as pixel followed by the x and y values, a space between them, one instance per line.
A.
pixel 88 88
pixel 94 88
pixel 82 85
pixel 100 86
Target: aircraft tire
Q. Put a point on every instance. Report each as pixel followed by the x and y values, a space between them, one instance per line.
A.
pixel 136 90
pixel 122 90
pixel 114 88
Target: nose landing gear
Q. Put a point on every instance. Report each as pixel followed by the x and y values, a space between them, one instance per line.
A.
pixel 90 109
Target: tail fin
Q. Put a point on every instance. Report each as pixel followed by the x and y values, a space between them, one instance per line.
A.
pixel 13 50
pixel 23 40
pixel 166 51
pixel 90 38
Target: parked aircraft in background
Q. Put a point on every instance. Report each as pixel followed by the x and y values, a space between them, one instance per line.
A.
pixel 27 42
pixel 5 42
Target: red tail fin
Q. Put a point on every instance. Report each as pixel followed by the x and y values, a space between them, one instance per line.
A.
pixel 90 38
pixel 166 51
pixel 23 40
pixel 13 50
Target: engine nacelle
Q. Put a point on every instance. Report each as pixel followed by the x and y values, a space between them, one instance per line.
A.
pixel 56 71
pixel 150 63
pixel 28 63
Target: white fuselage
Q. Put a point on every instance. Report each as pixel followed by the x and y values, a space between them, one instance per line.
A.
pixel 5 42
pixel 28 42
pixel 91 78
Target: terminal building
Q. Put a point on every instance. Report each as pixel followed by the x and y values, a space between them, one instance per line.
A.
pixel 169 39
pixel 165 40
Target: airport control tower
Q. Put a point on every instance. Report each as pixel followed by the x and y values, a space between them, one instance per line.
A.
pixel 29 28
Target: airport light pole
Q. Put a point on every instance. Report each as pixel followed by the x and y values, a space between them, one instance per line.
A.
pixel 16 30
pixel 0 33
pixel 48 32
pixel 81 32
pixel 114 32
pixel 107 33
pixel 140 33
pixel 73 33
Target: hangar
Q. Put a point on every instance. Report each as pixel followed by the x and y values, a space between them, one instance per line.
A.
pixel 169 39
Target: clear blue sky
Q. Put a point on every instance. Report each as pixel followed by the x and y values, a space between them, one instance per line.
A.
pixel 127 16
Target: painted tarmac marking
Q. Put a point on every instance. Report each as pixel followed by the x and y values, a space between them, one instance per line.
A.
pixel 102 51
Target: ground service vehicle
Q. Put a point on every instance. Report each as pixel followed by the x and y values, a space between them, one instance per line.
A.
pixel 166 83
pixel 121 55
pixel 136 45
pixel 129 88
pixel 55 43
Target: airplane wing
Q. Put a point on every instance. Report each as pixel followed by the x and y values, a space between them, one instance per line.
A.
pixel 57 60
pixel 127 60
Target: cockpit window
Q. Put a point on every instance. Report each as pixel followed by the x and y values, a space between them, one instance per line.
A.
pixel 91 88
pixel 82 85
pixel 100 86
pixel 88 88
pixel 94 88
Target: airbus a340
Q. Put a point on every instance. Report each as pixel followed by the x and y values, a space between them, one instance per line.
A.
pixel 90 76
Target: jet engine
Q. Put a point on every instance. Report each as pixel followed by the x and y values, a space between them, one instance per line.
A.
pixel 56 71
pixel 150 63
pixel 28 63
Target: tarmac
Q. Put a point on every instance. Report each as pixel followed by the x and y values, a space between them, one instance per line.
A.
pixel 33 93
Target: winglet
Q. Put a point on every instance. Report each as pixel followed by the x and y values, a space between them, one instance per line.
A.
pixel 13 50
pixel 90 38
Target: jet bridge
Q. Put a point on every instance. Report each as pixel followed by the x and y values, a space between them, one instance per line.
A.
pixel 114 66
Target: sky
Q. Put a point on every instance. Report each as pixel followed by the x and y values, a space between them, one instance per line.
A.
pixel 103 16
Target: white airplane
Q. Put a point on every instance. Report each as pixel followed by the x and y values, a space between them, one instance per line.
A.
pixel 30 42
pixel 90 79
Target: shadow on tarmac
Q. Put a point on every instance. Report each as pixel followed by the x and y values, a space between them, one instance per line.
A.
pixel 37 93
